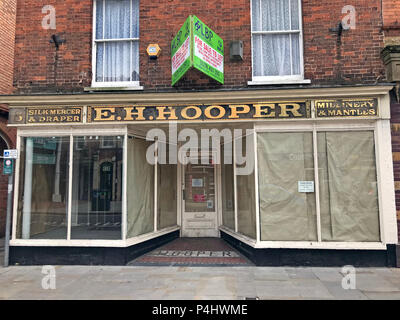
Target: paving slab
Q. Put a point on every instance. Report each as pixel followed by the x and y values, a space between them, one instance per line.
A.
pixel 374 283
pixel 328 274
pixel 338 293
pixel 301 273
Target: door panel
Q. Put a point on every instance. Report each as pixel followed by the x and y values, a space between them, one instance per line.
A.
pixel 199 216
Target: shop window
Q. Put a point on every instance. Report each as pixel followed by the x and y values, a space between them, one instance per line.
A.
pixel 43 195
pixel 97 176
pixel 287 212
pixel 140 185
pixel 348 186
pixel 227 186
pixel 277 40
pixel 116 43
pixel 166 191
pixel 348 192
pixel 245 191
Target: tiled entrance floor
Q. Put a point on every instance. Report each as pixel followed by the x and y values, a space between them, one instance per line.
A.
pixel 193 252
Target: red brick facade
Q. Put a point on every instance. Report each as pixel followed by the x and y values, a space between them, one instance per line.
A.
pixel 354 58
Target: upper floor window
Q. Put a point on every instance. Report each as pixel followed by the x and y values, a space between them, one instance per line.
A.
pixel 116 43
pixel 277 40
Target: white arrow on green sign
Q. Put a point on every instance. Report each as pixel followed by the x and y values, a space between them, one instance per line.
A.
pixel 196 45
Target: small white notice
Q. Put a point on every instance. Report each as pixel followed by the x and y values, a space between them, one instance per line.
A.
pixel 10 154
pixel 306 186
pixel 197 183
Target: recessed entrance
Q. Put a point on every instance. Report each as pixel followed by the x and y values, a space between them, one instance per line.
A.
pixel 199 209
pixel 193 252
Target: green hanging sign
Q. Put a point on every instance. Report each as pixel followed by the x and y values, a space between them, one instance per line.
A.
pixel 196 45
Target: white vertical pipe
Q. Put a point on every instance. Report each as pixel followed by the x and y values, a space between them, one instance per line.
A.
pixel 156 188
pixel 56 195
pixel 124 224
pixel 257 200
pixel 235 183
pixel 316 183
pixel 70 182
pixel 16 189
pixel 26 212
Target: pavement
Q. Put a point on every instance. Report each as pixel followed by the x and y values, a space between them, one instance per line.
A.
pixel 194 283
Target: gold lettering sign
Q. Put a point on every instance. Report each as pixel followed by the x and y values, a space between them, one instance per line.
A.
pixel 346 108
pixel 54 115
pixel 267 110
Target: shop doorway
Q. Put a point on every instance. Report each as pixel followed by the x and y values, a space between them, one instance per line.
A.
pixel 199 195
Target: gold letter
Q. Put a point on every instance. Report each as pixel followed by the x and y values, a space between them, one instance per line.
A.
pixel 290 107
pixel 208 114
pixel 104 114
pixel 129 113
pixel 185 115
pixel 162 112
pixel 235 112
pixel 261 112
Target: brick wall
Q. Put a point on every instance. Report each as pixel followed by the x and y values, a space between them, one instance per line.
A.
pixel 391 9
pixel 391 21
pixel 352 59
pixel 7 30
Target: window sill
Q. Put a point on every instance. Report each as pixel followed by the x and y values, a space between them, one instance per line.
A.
pixel 278 81
pixel 128 88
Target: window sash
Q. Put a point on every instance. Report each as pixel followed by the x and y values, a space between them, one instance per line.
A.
pixel 263 76
pixel 99 39
pixel 133 63
pixel 315 133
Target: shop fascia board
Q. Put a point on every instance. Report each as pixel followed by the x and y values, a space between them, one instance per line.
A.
pixel 235 96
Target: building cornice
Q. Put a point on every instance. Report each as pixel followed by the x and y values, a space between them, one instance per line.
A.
pixel 204 97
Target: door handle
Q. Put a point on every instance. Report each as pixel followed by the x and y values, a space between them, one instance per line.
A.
pixel 200 215
pixel 183 195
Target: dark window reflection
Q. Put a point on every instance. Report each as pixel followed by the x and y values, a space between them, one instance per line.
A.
pixel 97 187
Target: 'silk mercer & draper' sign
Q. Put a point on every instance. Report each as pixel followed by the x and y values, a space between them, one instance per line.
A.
pixel 196 45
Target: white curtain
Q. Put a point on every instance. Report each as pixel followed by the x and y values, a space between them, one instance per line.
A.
pixel 275 54
pixel 166 192
pixel 119 60
pixel 246 203
pixel 140 189
pixel 284 159
pixel 227 185
pixel 348 186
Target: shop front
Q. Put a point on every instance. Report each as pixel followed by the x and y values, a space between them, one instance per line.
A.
pixel 296 176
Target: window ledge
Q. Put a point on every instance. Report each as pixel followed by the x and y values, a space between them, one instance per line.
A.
pixel 128 88
pixel 278 81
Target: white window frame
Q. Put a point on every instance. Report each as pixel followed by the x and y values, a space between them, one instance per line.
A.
pixel 68 242
pixel 287 79
pixel 386 204
pixel 131 85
